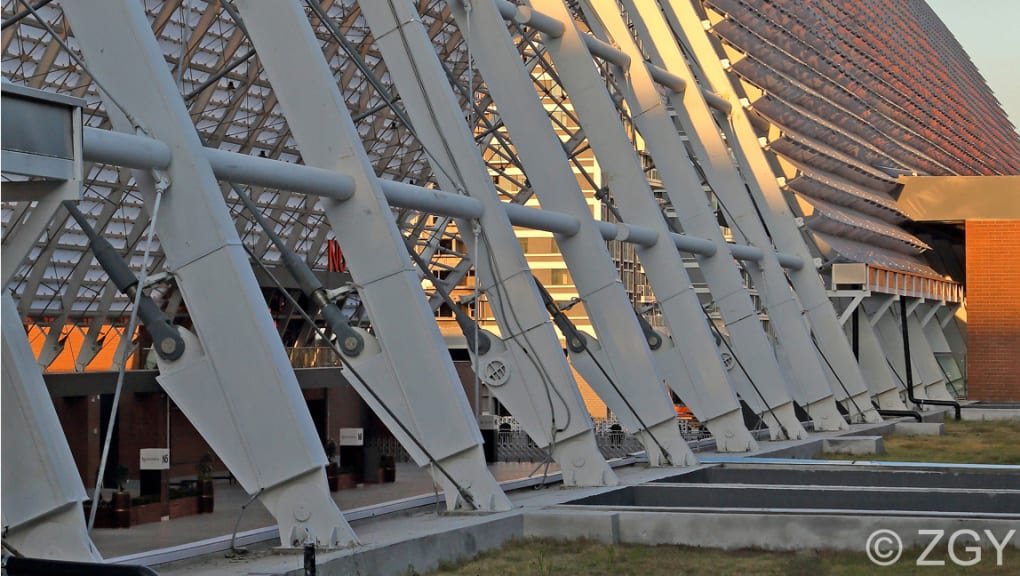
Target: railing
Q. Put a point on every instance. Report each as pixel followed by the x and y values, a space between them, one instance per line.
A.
pixel 313 357
pixel 861 276
pixel 902 283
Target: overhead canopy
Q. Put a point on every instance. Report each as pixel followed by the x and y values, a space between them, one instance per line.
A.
pixel 959 198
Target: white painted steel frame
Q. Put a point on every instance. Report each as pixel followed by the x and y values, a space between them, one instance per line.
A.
pixel 144 153
pixel 883 385
pixel 408 367
pixel 803 361
pixel 235 382
pixel 764 186
pixel 705 385
pixel 541 392
pixel 620 338
pixel 43 495
pixel 924 358
pixel 887 329
pixel 806 381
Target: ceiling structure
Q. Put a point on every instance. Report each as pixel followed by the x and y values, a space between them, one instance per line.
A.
pixel 848 111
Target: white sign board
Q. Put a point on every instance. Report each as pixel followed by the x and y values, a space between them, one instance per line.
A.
pixel 352 436
pixel 154 459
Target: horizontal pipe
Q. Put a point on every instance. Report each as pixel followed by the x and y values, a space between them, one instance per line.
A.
pixel 245 169
pixel 606 51
pixel 435 201
pixel 790 261
pixel 666 78
pixel 555 222
pixel 742 252
pixel 716 101
pixel 527 16
pixel 694 244
pixel 554 28
pixel 627 233
pixel 141 152
pixel 121 149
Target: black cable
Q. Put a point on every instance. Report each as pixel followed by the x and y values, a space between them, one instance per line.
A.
pixel 669 458
pixel 834 373
pixel 718 334
pixel 233 535
pixel 20 15
pixel 577 342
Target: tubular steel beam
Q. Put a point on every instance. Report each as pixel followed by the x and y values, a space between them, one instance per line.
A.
pixel 140 152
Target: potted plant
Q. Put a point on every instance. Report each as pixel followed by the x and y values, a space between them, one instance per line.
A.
pixel 122 499
pixel 203 470
pixel 332 467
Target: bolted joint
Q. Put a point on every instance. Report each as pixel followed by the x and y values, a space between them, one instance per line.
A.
pixel 577 342
pixel 352 345
pixel 655 342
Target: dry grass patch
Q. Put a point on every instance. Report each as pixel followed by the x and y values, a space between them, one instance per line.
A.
pixel 548 558
pixel 965 442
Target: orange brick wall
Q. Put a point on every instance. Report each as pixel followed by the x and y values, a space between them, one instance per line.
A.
pixel 993 310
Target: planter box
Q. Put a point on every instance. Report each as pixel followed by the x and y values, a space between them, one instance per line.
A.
pixel 147 513
pixel 104 516
pixel 187 506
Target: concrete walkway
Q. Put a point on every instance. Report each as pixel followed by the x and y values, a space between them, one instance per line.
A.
pixel 411 481
pixel 418 534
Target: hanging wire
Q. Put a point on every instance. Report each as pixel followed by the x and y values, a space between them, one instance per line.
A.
pixel 132 322
pixel 768 407
pixel 81 63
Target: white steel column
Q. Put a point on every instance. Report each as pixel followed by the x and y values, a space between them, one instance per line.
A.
pixel 882 382
pixel 43 495
pixel 585 253
pixel 786 314
pixel 503 274
pixel 955 335
pixel 764 187
pixel 635 200
pixel 890 338
pixel 408 367
pixel 924 358
pixel 806 382
pixel 935 336
pixel 235 382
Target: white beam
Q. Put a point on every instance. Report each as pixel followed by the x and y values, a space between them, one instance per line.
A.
pixel 501 269
pixel 416 389
pixel 624 177
pixel 235 382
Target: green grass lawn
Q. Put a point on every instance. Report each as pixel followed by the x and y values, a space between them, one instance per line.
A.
pixel 547 557
pixel 965 442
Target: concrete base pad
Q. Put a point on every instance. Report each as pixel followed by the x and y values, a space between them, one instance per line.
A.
pixel 920 428
pixel 856 445
pixel 751 530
